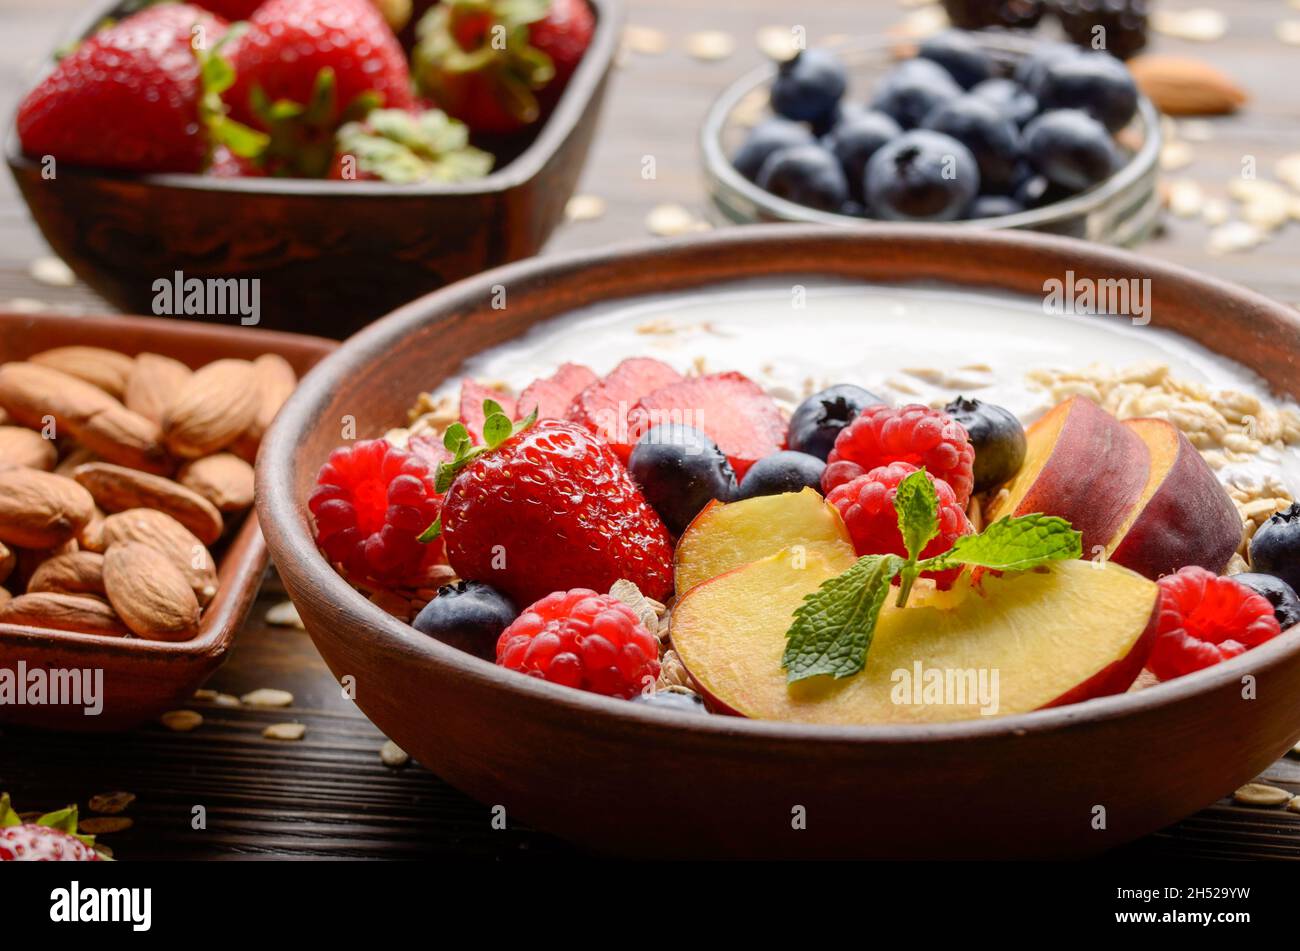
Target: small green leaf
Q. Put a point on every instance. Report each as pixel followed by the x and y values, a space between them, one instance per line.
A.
pixel 917 506
pixel 65 820
pixel 7 815
pixel 445 476
pixel 455 435
pixel 491 406
pixel 1013 544
pixel 432 532
pixel 527 421
pixel 497 428
pixel 832 629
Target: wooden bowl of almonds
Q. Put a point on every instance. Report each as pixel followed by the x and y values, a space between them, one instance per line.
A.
pixel 129 555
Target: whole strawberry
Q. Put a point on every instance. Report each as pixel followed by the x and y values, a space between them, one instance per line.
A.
pixel 130 97
pixel 548 507
pixel 51 838
pixel 498 65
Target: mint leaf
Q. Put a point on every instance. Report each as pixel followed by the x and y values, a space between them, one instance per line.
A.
pixel 833 627
pixel 1013 544
pixel 917 506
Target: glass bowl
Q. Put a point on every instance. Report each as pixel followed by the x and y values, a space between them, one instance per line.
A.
pixel 1122 210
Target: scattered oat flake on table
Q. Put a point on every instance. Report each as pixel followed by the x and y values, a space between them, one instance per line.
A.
pixel 204 694
pixel 1267 214
pixel 283 614
pixel 1288 31
pixel 710 45
pixel 1288 169
pixel 584 208
pixel 1259 794
pixel 52 271
pixel 1215 212
pixel 670 220
pixel 1234 236
pixel 1201 25
pixel 778 42
pixel 26 305
pixel 751 109
pixel 921 23
pixel 181 721
pixel 1196 130
pixel 111 803
pixel 1175 155
pixel 103 825
pixel 393 755
pixel 226 700
pixel 285 731
pixel 1185 198
pixel 644 39
pixel 267 697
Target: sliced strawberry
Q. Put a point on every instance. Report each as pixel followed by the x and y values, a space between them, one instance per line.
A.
pixel 429 448
pixel 472 395
pixel 552 395
pixel 730 408
pixel 603 406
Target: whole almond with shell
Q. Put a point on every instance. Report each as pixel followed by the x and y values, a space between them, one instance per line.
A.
pixel 223 479
pixel 160 531
pixel 40 509
pixel 149 593
pixel 212 409
pixel 24 447
pixel 153 385
pixel 107 369
pixel 116 489
pixel 74 572
pixel 1180 86
pixel 64 612
pixel 276 381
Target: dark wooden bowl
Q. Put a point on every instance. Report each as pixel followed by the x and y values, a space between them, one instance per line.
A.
pixel 331 256
pixel 564 761
pixel 145 678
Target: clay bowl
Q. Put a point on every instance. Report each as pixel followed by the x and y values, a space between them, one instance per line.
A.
pixel 331 256
pixel 142 679
pixel 1017 786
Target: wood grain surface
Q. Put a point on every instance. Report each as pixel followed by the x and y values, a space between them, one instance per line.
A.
pixel 329 796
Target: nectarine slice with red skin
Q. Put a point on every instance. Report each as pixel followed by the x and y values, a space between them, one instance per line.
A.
pixel 727 535
pixel 1072 631
pixel 1083 465
pixel 1184 515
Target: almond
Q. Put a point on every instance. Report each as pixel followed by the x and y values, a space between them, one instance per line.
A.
pixel 150 593
pixel 5 597
pixel 212 409
pixel 78 572
pixel 225 480
pixel 276 381
pixel 106 369
pixel 26 447
pixel 115 489
pixel 160 531
pixel 1181 86
pixel 91 536
pixel 63 612
pixel 154 383
pixel 7 562
pixel 40 509
pixel 77 456
pixel 127 438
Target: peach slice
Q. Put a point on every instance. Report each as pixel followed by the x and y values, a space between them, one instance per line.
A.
pixel 726 536
pixel 1067 633
pixel 1184 515
pixel 1083 465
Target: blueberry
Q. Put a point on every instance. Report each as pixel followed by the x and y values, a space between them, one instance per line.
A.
pixel 468 615
pixel 964 59
pixel 994 206
pixel 1097 83
pixel 809 86
pixel 806 175
pixel 767 137
pixel 841 113
pixel 921 176
pixel 992 138
pixel 1286 604
pixel 1029 71
pixel 997 437
pixel 1036 191
pixel 1009 98
pixel 784 471
pixel 854 209
pixel 1070 148
pixel 855 140
pixel 1275 549
pixel 680 470
pixel 912 89
pixel 686 701
pixel 819 418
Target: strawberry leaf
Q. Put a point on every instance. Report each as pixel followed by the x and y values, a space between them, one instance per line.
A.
pixel 431 533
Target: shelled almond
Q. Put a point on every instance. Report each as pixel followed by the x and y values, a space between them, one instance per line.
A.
pixel 117 474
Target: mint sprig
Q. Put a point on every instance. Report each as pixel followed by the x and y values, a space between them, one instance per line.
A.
pixel 833 628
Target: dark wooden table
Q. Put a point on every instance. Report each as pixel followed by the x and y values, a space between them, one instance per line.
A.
pixel 329 796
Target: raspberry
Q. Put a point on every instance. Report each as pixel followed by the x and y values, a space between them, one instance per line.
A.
pixel 867 506
pixel 582 639
pixel 915 434
pixel 371 503
pixel 1205 619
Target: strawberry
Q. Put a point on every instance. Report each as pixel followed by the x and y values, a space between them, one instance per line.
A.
pixel 130 97
pixel 226 164
pixel 51 838
pixel 498 65
pixel 231 10
pixel 394 145
pixel 551 396
pixel 473 407
pixel 603 406
pixel 546 506
pixel 729 408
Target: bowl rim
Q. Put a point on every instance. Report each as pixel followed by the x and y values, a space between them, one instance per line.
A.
pixel 284 520
pixel 719 168
pixel 592 70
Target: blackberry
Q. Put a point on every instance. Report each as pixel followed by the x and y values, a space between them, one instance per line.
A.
pixel 978 14
pixel 1123 24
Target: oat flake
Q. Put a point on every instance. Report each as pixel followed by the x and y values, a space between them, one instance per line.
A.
pixel 181 721
pixel 267 697
pixel 710 45
pixel 1261 794
pixel 393 756
pixel 285 731
pixel 111 803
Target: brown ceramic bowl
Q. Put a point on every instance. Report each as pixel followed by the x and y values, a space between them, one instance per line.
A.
pixel 562 760
pixel 331 256
pixel 141 679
